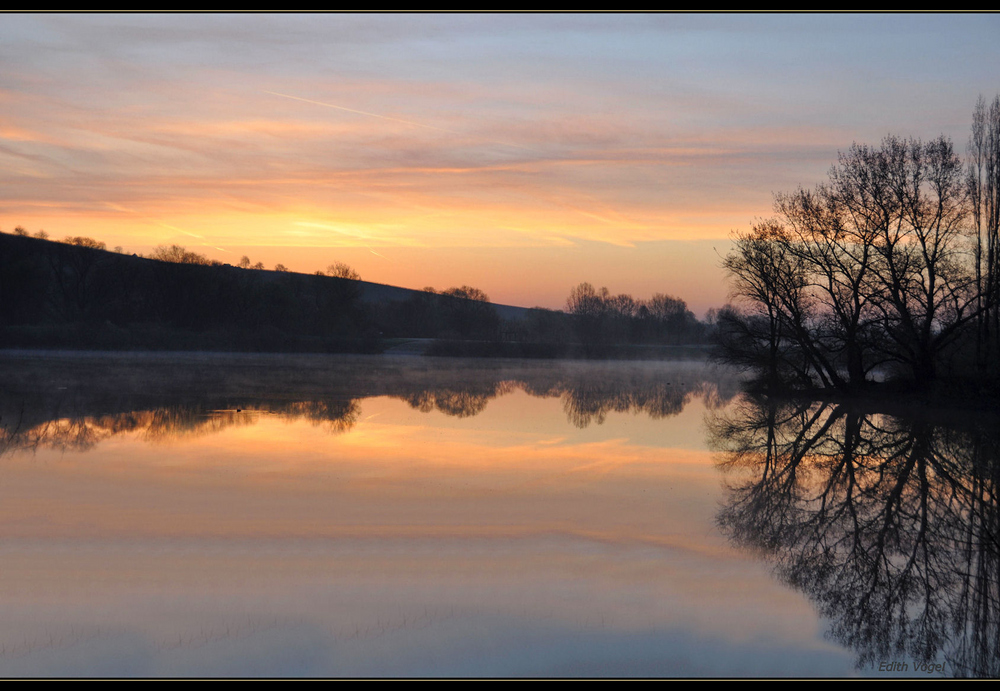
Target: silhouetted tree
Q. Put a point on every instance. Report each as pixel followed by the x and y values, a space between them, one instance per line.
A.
pixel 178 255
pixel 591 310
pixel 872 267
pixel 467 293
pixel 602 319
pixel 81 241
pixel 342 270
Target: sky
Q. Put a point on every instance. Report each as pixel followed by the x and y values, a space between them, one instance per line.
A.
pixel 518 153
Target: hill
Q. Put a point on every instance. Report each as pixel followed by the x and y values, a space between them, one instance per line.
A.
pixel 76 294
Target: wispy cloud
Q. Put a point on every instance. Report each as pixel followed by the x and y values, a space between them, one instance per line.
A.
pixel 466 131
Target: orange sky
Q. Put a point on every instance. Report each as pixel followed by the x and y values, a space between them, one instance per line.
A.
pixel 521 154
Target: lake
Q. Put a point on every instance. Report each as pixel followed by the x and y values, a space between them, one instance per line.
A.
pixel 307 515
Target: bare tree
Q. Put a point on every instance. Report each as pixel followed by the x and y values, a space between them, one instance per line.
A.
pixel 342 270
pixel 665 307
pixel 178 255
pixel 468 293
pixel 584 301
pixel 773 332
pixel 925 289
pixel 81 241
pixel 872 266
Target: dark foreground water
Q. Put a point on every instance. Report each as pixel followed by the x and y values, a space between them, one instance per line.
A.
pixel 376 516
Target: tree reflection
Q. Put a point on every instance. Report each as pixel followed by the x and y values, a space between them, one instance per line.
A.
pixel 73 402
pixel 459 402
pixel 81 431
pixel 589 394
pixel 888 522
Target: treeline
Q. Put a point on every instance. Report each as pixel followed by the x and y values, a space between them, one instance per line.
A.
pixel 890 269
pixel 600 318
pixel 596 324
pixel 77 294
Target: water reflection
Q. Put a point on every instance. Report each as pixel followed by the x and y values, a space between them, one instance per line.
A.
pixel 200 515
pixel 888 522
pixel 80 405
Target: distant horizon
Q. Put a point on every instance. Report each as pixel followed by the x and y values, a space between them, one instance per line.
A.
pixel 521 154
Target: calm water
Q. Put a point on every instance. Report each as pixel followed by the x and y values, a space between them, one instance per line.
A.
pixel 308 515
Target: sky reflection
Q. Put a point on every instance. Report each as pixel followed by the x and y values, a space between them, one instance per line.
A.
pixel 504 543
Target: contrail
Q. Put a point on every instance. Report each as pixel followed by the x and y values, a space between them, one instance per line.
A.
pixel 386 117
pixel 324 226
pixel 363 112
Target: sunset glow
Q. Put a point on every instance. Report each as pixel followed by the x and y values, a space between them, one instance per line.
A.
pixel 521 154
